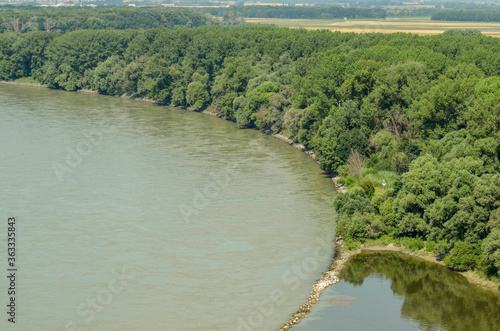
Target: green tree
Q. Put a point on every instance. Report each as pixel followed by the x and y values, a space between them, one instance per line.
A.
pixel 463 256
pixel 491 249
pixel 197 95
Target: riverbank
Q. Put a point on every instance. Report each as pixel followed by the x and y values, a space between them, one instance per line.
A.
pixel 341 257
pixel 206 111
pixel 472 276
pixel 340 188
pixel 22 83
pixel 329 278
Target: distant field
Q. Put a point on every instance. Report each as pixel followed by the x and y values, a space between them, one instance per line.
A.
pixel 420 25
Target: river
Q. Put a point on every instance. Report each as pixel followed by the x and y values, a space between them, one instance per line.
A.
pixel 133 216
pixel 383 291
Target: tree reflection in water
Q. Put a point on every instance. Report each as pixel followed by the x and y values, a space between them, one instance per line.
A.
pixel 433 296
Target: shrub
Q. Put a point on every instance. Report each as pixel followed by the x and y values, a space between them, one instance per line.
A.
pixel 372 162
pixel 349 181
pixel 442 249
pixel 353 201
pixel 430 245
pixel 350 244
pixel 342 225
pixel 378 199
pixel 374 226
pixel 356 162
pixel 370 172
pixel 343 170
pixel 412 225
pixel 388 215
pixel 413 244
pixel 357 227
pixel 367 185
pixel 384 240
pixel 463 256
pixel 491 249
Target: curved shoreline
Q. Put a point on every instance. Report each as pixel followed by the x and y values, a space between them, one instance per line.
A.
pixel 329 278
pixel 340 256
pixel 12 82
pixel 338 187
pixel 472 276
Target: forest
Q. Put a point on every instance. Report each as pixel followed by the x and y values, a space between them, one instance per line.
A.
pixel 59 19
pixel 62 20
pixel 467 15
pixel 420 113
pixel 320 12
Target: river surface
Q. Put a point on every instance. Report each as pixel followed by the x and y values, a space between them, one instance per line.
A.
pixel 383 291
pixel 132 216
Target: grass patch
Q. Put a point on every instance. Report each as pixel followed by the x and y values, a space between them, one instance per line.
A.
pixel 27 80
pixel 413 244
pixel 351 244
pixel 384 240
pixel 378 176
pixel 429 246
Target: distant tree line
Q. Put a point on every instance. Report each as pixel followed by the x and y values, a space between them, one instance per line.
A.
pixel 422 112
pixel 411 12
pixel 30 18
pixel 467 15
pixel 323 12
pixel 470 5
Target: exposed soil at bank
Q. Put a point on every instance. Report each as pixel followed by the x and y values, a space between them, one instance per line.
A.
pixel 22 83
pixel 472 276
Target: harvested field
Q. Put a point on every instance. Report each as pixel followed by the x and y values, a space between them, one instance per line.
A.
pixel 420 25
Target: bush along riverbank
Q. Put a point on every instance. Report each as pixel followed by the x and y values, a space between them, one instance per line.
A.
pixel 420 113
pixel 379 217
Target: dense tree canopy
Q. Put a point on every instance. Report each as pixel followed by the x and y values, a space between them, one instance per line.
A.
pixel 59 19
pixel 423 110
pixel 467 15
pixel 323 12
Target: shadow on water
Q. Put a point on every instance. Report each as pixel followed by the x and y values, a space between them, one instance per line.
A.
pixel 433 296
pixel 392 291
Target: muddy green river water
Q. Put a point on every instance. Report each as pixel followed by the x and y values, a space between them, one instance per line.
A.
pixel 132 216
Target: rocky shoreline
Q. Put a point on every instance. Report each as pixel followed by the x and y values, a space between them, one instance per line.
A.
pixel 338 187
pixel 329 278
pixel 341 257
pixel 340 260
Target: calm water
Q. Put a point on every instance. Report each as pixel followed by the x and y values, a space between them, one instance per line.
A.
pixel 133 216
pixel 390 291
